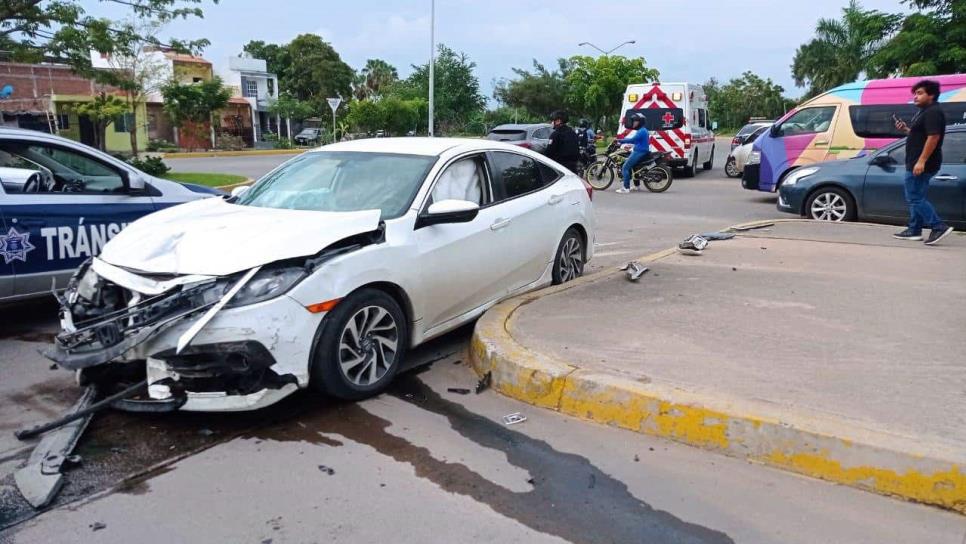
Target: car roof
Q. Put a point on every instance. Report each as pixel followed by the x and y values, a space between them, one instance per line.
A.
pixel 520 126
pixel 417 145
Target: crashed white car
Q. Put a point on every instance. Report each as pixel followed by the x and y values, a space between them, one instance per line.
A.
pixel 325 272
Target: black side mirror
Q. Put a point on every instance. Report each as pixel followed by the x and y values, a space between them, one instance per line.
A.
pixel 775 131
pixel 448 211
pixel 882 159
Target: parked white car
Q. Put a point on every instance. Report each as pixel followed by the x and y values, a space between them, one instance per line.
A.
pixel 326 271
pixel 735 164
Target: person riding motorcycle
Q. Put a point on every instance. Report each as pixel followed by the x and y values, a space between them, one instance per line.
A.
pixel 563 146
pixel 642 148
pixel 585 134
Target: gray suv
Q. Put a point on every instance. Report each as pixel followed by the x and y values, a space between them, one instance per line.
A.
pixel 535 136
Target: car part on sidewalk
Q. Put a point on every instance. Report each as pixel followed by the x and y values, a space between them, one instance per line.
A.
pixel 750 227
pixel 459 390
pixel 40 480
pixel 634 270
pixel 718 235
pixel 693 245
pixel 514 418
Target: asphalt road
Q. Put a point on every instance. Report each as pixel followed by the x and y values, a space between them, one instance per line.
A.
pixel 251 166
pixel 422 464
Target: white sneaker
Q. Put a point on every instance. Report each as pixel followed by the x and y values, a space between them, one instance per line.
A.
pixel 622 191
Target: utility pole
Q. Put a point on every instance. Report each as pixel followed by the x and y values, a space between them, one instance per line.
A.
pixel 432 61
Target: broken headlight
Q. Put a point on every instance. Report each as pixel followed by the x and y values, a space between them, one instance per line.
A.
pixel 266 284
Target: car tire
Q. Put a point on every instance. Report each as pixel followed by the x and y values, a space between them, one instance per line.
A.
pixel 690 170
pixel 830 204
pixel 731 169
pixel 710 164
pixel 568 262
pixel 362 328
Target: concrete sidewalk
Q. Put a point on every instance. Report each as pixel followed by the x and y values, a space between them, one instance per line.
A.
pixel 831 350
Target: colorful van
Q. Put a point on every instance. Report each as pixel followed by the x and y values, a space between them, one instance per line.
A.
pixel 848 121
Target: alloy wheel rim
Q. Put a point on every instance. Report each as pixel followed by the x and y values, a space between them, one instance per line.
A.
pixel 731 168
pixel 829 207
pixel 571 262
pixel 368 346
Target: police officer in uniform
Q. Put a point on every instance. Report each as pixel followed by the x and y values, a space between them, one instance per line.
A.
pixel 563 146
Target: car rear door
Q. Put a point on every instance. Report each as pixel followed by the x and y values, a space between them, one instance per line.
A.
pixel 66 226
pixel 951 179
pixel 535 208
pixel 7 271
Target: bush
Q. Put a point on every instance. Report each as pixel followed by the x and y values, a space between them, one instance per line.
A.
pixel 153 166
pixel 229 142
pixel 161 144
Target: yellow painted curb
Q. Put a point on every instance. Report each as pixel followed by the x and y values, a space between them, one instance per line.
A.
pixel 249 153
pixel 832 451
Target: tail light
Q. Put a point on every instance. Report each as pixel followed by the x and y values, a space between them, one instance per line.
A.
pixel 525 144
pixel 687 141
pixel 735 141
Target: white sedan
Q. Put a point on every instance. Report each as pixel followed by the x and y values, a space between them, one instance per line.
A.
pixel 325 272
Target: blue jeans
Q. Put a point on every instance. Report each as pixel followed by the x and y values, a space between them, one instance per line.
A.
pixel 628 167
pixel 921 212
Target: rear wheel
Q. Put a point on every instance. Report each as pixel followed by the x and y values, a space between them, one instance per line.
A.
pixel 361 346
pixel 830 204
pixel 731 169
pixel 658 179
pixel 569 262
pixel 692 168
pixel 600 175
pixel 708 165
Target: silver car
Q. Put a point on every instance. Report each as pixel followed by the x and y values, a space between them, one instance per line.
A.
pixel 533 136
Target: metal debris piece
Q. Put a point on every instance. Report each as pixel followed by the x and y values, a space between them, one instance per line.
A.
pixel 485 382
pixel 634 270
pixel 40 480
pixel 693 245
pixel 718 235
pixel 97 526
pixel 514 418
pixel 459 390
pixel 753 227
pixel 327 470
pixel 83 411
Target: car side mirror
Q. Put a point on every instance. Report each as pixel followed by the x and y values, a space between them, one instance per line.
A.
pixel 448 211
pixel 714 125
pixel 238 191
pixel 775 131
pixel 135 184
pixel 883 159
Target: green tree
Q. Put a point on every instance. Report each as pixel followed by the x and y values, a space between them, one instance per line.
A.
pixel 191 106
pixel 101 112
pixel 275 56
pixel 932 41
pixel 596 85
pixel 734 102
pixel 375 78
pixel 288 107
pixel 457 90
pixel 842 50
pixel 538 92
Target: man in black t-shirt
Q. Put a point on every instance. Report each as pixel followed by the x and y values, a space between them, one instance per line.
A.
pixel 563 146
pixel 924 155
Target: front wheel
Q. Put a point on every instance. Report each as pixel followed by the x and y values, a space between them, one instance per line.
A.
pixel 360 347
pixel 658 179
pixel 600 175
pixel 568 263
pixel 731 169
pixel 830 204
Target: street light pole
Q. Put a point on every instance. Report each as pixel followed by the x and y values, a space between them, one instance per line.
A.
pixel 432 61
pixel 608 52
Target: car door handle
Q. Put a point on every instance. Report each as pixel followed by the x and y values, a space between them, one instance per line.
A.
pixel 945 177
pixel 499 224
pixel 821 142
pixel 555 199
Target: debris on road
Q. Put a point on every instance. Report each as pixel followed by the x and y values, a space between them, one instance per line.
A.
pixel 41 479
pixel 81 412
pixel 459 390
pixel 514 418
pixel 327 470
pixel 485 382
pixel 97 526
pixel 718 235
pixel 694 245
pixel 634 270
pixel 752 227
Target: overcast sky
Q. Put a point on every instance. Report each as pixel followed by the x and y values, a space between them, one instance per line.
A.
pixel 686 41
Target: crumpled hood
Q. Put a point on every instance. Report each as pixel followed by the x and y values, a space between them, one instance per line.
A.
pixel 213 237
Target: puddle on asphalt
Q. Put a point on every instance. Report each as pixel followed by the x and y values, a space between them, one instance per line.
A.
pixel 571 498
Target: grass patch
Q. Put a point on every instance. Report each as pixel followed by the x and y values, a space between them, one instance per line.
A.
pixel 204 178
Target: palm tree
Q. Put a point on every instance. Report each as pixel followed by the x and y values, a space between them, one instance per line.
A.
pixel 377 76
pixel 842 49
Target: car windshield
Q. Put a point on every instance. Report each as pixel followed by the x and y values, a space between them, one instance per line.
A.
pixel 342 181
pixel 748 129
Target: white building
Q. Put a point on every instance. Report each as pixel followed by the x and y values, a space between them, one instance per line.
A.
pixel 251 80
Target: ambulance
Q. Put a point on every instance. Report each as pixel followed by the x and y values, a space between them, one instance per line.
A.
pixel 677 119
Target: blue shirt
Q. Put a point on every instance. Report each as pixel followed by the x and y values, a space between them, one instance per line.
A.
pixel 641 140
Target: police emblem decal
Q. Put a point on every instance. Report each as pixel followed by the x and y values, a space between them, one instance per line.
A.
pixel 15 246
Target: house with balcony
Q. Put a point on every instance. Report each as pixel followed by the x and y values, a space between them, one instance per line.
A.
pixel 252 82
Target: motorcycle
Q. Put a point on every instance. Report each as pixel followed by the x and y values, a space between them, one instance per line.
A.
pixel 653 171
pixel 587 157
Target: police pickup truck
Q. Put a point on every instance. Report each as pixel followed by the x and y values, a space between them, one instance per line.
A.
pixel 61 201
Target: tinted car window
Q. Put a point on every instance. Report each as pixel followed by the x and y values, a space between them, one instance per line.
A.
pixel 507 135
pixel 542 133
pixel 808 121
pixel 747 129
pixel 876 121
pixel 954 148
pixel 518 175
pixel 548 175
pixel 899 154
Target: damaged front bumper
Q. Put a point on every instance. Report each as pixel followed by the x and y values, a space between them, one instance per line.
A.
pixel 197 353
